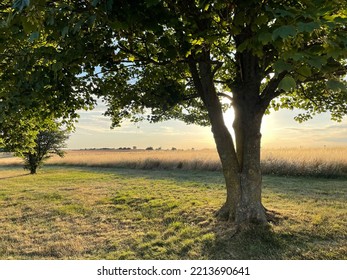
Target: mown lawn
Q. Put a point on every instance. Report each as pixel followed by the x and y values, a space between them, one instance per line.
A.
pixel 95 213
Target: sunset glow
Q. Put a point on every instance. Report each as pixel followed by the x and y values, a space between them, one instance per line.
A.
pixel 278 130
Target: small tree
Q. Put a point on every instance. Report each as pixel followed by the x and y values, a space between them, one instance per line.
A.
pixel 48 142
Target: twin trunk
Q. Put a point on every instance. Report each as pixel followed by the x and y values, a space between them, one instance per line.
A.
pixel 241 168
pixel 241 165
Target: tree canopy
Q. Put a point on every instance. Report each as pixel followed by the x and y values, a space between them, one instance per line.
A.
pixel 299 47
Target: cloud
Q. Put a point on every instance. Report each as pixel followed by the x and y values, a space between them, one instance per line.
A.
pixel 281 130
pixel 278 129
pixel 335 139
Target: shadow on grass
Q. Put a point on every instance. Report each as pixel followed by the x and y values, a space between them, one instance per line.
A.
pixel 273 242
pixel 258 243
pixel 14 176
pixel 173 231
pixel 263 243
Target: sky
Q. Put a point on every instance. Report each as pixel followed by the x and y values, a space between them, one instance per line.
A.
pixel 279 130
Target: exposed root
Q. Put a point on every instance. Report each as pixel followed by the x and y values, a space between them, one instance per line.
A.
pixel 223 213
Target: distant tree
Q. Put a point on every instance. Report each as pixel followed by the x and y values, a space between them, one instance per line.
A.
pixel 48 143
pixel 149 149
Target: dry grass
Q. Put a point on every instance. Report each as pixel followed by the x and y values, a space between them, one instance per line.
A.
pixel 95 213
pixel 323 162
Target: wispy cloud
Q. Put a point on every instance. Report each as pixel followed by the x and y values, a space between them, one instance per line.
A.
pixel 279 129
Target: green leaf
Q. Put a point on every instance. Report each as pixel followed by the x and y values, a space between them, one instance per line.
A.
pixel 171 52
pixel 307 26
pixel 262 19
pixel 293 55
pixel 91 20
pixel 284 31
pixel 28 26
pixel 151 3
pixel 336 86
pixel 109 5
pixel 284 13
pixel 239 19
pixel 65 31
pixel 243 46
pixel 304 72
pixel 317 61
pixel 265 37
pixel 287 84
pixel 131 58
pixel 57 66
pixel 95 2
pixel 197 41
pixel 164 42
pixel 280 66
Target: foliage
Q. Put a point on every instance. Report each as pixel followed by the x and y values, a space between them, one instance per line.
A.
pixel 47 142
pixel 299 51
pixel 39 82
pixel 143 49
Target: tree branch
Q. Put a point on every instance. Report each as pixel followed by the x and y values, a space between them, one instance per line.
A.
pixel 196 77
pixel 190 97
pixel 226 96
pixel 219 64
pixel 224 53
pixel 269 92
pixel 141 57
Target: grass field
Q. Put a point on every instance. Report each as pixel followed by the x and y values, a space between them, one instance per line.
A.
pixel 111 213
pixel 317 162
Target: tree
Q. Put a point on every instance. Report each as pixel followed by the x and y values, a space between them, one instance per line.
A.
pixel 259 54
pixel 178 59
pixel 48 142
pixel 38 82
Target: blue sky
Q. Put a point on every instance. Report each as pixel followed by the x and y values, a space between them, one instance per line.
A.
pixel 279 130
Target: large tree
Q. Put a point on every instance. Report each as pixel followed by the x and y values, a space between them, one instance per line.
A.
pixel 179 58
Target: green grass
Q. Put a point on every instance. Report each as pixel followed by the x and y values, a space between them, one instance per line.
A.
pixel 91 213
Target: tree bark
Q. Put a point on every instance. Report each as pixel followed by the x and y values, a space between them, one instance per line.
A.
pixel 243 205
pixel 247 125
pixel 241 166
pixel 32 163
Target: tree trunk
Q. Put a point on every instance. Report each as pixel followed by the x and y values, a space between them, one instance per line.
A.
pixel 247 124
pixel 32 163
pixel 243 204
pixel 241 166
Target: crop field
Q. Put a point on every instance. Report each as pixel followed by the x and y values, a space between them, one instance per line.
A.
pixel 317 162
pixel 161 205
